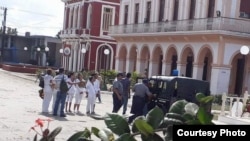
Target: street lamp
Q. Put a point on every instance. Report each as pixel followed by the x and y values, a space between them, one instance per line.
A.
pixel 38 49
pixel 61 51
pixel 83 50
pixel 106 52
pixel 46 49
pixel 25 49
pixel 244 50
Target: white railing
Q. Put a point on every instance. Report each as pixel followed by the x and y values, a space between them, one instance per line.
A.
pixel 230 100
pixel 220 23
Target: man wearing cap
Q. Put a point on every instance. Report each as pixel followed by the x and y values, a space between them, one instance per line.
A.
pixel 117 93
pixel 141 92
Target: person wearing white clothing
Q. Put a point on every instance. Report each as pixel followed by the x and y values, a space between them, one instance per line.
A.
pixel 48 84
pixel 97 84
pixel 71 93
pixel 91 95
pixel 80 90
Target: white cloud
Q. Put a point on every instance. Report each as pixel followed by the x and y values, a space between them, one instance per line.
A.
pixel 39 17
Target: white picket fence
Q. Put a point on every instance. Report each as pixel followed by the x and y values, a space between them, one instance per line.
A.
pixel 239 101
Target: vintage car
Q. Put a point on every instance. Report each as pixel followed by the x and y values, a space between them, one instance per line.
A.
pixel 168 89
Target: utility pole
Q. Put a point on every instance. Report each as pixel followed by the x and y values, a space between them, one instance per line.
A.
pixel 3 33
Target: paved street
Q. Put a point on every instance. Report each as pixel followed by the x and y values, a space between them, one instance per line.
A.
pixel 20 106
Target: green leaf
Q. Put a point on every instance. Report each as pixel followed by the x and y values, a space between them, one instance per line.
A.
pixel 109 133
pixel 187 116
pixel 144 127
pixel 193 122
pixel 169 133
pixel 103 136
pixel 170 121
pixel 86 134
pixel 204 117
pixel 134 128
pixel 126 137
pixel 55 132
pixel 155 117
pixel 117 124
pixel 175 116
pixel 207 99
pixel 178 107
pixel 154 137
pixel 95 131
pixel 199 96
pixel 191 108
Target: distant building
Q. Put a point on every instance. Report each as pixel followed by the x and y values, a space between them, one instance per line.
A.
pixel 85 34
pixel 24 49
pixel 199 38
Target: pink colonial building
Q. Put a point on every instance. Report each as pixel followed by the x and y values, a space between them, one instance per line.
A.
pixel 200 38
pixel 86 44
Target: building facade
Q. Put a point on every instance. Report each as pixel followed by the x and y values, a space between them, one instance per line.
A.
pixel 24 49
pixel 199 38
pixel 86 43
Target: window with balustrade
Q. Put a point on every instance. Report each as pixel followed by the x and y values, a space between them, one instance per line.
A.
pixel 245 9
pixel 136 13
pixel 107 18
pixel 126 14
pixel 161 10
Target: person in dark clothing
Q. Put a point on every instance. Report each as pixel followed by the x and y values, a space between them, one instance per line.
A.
pixel 141 91
pixel 117 93
pixel 126 91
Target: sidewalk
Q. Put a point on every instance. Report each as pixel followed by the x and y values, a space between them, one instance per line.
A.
pixel 21 106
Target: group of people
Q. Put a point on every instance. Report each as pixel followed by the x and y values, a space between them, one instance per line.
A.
pixel 121 94
pixel 78 87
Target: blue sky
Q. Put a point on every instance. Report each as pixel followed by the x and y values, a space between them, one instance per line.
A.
pixel 39 17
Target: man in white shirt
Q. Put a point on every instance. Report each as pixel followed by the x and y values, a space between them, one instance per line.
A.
pixel 97 84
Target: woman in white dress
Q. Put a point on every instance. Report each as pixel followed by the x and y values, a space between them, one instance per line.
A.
pixel 71 93
pixel 91 95
pixel 80 90
pixel 48 84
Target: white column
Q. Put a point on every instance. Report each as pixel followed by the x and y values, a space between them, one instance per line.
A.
pixel 220 80
pixel 74 59
pixel 70 59
pixel 74 17
pixel 186 9
pixel 171 10
pixel 152 70
pixel 181 69
pixel 138 65
pixel 198 9
pixel 70 17
pixel 130 12
pixel 128 64
pixel 79 60
pixel 79 16
pixel 65 17
pixel 168 69
pixel 142 9
pixel 197 71
pixel 204 8
pixel 181 9
pixel 117 63
pixel 164 67
pixel 155 10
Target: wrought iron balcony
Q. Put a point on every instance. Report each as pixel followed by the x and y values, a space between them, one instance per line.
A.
pixel 205 25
